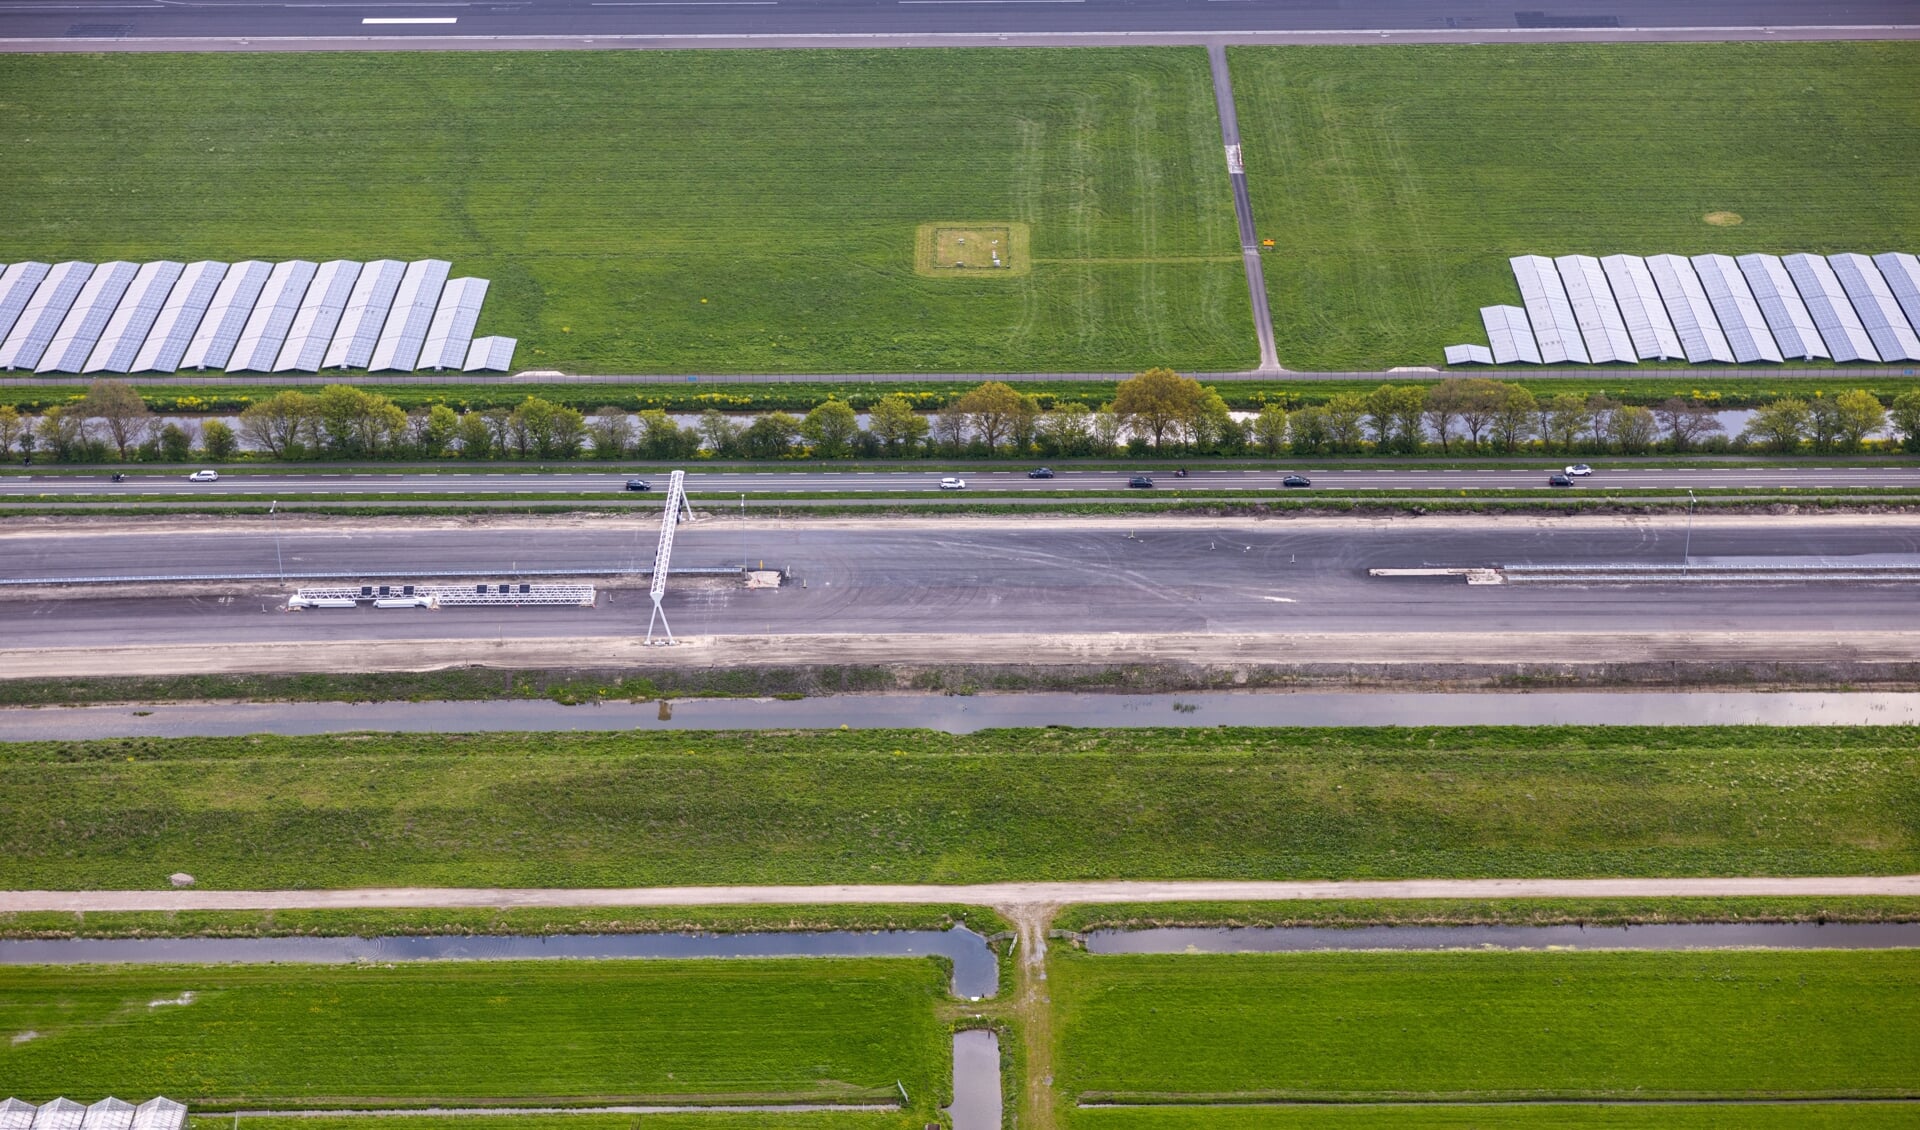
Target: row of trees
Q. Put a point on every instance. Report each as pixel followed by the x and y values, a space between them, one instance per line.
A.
pixel 1157 412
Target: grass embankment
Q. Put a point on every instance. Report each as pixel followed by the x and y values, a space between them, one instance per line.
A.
pixel 1486 912
pixel 912 806
pixel 1488 1026
pixel 1396 181
pixel 493 920
pixel 674 212
pixel 569 1032
pixel 1553 1116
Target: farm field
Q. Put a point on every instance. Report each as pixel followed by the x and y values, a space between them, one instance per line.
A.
pixel 1396 181
pixel 1623 1116
pixel 913 806
pixel 1480 1026
pixel 674 211
pixel 580 1032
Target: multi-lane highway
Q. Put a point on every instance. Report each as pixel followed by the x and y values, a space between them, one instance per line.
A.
pixel 271 485
pixel 436 21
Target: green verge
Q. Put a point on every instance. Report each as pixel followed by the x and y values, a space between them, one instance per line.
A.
pixel 627 809
pixel 822 1120
pixel 1486 912
pixel 676 212
pixel 1487 1026
pixel 1624 1116
pixel 479 1033
pixel 1396 181
pixel 493 920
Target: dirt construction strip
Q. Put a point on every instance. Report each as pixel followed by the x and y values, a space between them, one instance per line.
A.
pixel 1427 648
pixel 1019 899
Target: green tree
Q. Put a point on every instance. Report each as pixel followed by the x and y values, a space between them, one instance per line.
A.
pixel 218 440
pixel 11 427
pixel 1634 429
pixel 354 422
pixel 1904 416
pixel 1686 421
pixel 176 443
pixel 1158 403
pixel 433 435
pixel 1480 401
pixel 281 424
pixel 1344 415
pixel 1563 416
pixel 1442 408
pixel 1312 431
pixel 717 433
pixel 1823 423
pixel 770 437
pixel 548 430
pixel 1068 429
pixel 474 437
pixel 1270 428
pixel 1858 414
pixel 1214 428
pixel 1780 424
pixel 120 410
pixel 662 438
pixel 64 433
pixel 995 411
pixel 1513 420
pixel 1107 427
pixel 831 428
pixel 893 421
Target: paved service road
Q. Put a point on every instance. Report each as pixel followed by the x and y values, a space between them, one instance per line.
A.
pixel 1022 895
pixel 706 485
pixel 110 21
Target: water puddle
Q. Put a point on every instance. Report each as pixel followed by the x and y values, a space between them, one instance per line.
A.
pixel 976 1080
pixel 1666 936
pixel 961 714
pixel 975 971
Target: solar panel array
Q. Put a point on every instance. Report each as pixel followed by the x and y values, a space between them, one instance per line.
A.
pixel 107 1114
pixel 250 316
pixel 1759 307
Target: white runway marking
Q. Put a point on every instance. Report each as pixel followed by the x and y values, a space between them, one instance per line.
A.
pixel 411 20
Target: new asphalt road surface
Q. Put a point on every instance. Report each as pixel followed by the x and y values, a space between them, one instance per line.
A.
pixel 714 487
pixel 503 21
pixel 972 577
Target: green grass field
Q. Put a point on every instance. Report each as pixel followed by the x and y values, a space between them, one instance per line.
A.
pixel 1473 912
pixel 1766 1116
pixel 1480 1026
pixel 913 806
pixel 673 211
pixel 1396 181
pixel 578 1032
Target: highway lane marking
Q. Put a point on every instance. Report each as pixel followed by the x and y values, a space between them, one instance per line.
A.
pixel 411 20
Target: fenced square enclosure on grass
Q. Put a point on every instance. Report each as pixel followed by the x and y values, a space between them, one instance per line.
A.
pixel 699 211
pixel 1395 181
pixel 979 248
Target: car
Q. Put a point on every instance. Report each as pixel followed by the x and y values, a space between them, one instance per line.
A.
pixel 1140 482
pixel 204 477
pixel 951 483
pixel 1561 480
pixel 1040 473
pixel 639 484
pixel 1579 470
pixel 1296 481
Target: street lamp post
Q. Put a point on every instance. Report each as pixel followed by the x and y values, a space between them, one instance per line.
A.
pixel 1686 553
pixel 280 563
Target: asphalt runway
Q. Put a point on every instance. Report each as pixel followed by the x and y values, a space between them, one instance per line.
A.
pixel 108 21
pixel 926 577
pixel 710 488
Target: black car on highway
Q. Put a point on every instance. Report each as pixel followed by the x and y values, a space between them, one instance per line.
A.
pixel 639 484
pixel 1140 482
pixel 1040 473
pixel 1559 479
pixel 1296 481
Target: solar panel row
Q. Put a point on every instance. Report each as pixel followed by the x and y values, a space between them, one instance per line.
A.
pixel 253 316
pixel 1879 311
pixel 496 354
pixel 1686 300
pixel 1599 316
pixel 1833 314
pixel 1510 335
pixel 1902 272
pixel 1781 305
pixel 1734 304
pixel 1640 306
pixel 1456 354
pixel 1554 326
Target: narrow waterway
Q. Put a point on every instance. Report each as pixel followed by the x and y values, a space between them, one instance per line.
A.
pixel 976 1080
pixel 975 968
pixel 960 714
pixel 1664 936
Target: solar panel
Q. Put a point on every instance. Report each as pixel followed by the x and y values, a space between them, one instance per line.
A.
pixel 452 329
pixel 1733 303
pixel 1549 310
pixel 1640 307
pixel 1879 311
pixel 16 1114
pixel 1901 270
pixel 1780 304
pixel 1601 325
pixel 1693 319
pixel 60 1114
pixel 1832 312
pixel 131 322
pixel 87 319
pixel 108 1114
pixel 366 313
pixel 318 316
pixel 219 331
pixel 41 318
pixel 1456 354
pixel 405 333
pixel 1510 335
pixel 496 354
pixel 17 284
pixel 186 304
pixel 160 1114
pixel 272 317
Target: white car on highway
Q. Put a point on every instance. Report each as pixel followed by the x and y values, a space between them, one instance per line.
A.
pixel 951 483
pixel 1579 470
pixel 204 477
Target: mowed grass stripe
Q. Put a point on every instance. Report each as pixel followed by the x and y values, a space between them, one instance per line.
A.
pixel 1745 1024
pixel 1648 1116
pixel 1396 181
pixel 578 1032
pixel 637 809
pixel 669 211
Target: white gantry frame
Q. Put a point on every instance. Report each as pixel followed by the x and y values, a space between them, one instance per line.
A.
pixel 663 553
